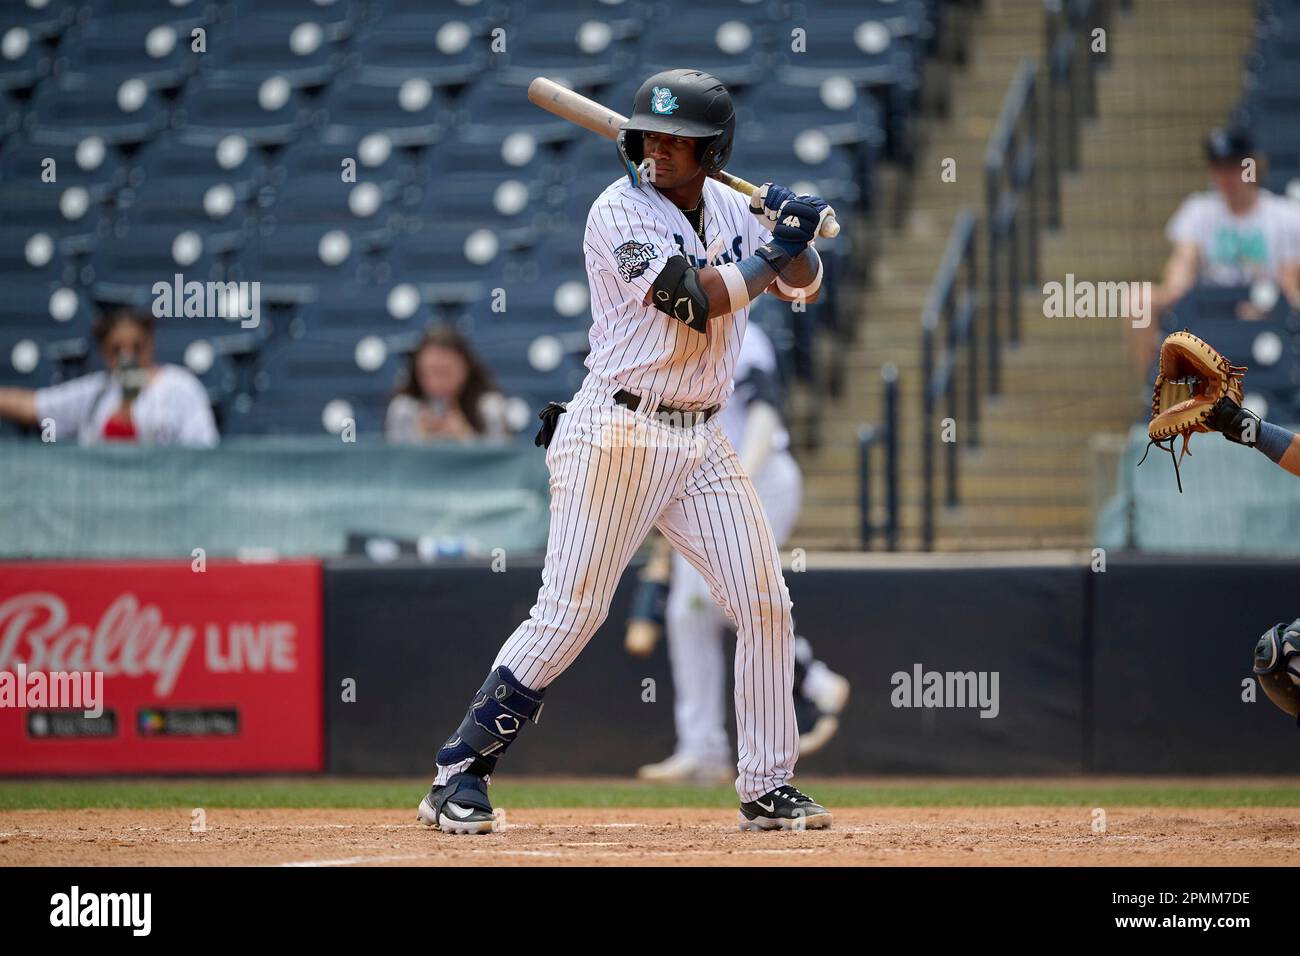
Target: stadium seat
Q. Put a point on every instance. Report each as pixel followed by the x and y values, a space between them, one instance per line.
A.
pixel 70 109
pixel 53 208
pixel 251 46
pixel 298 385
pixel 173 157
pixel 25 57
pixel 491 110
pixel 141 254
pixel 265 112
pixel 89 164
pixel 332 14
pixel 584 48
pixel 398 46
pixel 206 205
pixel 154 48
pixel 43 312
pixel 799 159
pixel 735 51
pixel 409 114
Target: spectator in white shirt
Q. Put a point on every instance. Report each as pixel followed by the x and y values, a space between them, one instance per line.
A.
pixel 448 393
pixel 133 400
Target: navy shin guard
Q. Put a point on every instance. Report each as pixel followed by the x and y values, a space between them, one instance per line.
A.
pixel 498 712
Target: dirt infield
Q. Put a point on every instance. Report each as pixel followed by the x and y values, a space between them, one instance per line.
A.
pixel 888 836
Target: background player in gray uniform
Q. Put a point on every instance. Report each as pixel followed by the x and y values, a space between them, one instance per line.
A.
pixel 673 261
pixel 694 623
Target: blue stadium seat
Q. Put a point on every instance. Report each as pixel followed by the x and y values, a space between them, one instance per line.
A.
pixel 586 48
pixel 142 254
pixel 53 208
pixel 297 382
pixel 797 158
pixel 444 255
pixel 204 203
pixel 43 20
pixel 734 49
pixel 481 199
pixel 289 262
pixel 155 48
pixel 306 53
pixel 266 112
pixel 43 311
pixel 446 47
pixel 411 113
pixel 323 198
pixel 173 157
pixel 70 109
pixel 492 110
pixel 89 164
pixel 25 56
pixel 333 14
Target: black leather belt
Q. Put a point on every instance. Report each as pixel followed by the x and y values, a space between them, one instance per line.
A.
pixel 681 417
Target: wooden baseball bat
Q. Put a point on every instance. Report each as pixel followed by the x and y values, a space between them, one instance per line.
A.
pixel 589 114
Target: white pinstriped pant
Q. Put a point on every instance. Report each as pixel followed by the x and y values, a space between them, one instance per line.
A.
pixel 614 474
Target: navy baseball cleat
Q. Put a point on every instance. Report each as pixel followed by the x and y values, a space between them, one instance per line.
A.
pixel 462 806
pixel 784 808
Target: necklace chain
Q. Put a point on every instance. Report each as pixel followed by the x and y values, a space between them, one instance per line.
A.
pixel 699 208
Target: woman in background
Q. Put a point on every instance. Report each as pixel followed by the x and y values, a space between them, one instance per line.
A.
pixel 448 393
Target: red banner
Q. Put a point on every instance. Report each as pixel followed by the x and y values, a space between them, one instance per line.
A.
pixel 202 670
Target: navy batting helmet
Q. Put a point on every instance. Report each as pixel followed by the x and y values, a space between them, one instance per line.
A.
pixel 680 103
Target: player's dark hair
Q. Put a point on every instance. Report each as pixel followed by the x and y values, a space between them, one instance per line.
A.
pixel 107 322
pixel 478 378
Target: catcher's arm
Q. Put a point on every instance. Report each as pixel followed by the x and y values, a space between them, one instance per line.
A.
pixel 1244 427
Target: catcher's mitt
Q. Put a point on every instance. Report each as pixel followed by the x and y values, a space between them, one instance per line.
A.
pixel 1193 377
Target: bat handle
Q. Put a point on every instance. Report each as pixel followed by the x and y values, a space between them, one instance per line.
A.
pixel 830 226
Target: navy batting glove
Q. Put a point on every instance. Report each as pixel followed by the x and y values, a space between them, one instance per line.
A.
pixel 767 201
pixel 797 223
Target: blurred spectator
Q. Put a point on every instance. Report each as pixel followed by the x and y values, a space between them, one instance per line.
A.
pixel 1234 235
pixel 132 400
pixel 448 393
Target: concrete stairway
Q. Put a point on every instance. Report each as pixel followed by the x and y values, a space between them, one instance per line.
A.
pixel 1173 72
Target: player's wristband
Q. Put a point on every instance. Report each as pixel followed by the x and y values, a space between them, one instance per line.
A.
pixel 775 254
pixel 737 286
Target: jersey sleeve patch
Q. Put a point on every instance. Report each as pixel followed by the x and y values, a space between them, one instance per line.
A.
pixel 634 258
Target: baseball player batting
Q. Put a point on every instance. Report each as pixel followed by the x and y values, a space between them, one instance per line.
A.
pixel 673 261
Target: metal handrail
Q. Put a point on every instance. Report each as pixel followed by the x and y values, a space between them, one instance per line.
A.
pixel 869 436
pixel 1011 186
pixel 951 311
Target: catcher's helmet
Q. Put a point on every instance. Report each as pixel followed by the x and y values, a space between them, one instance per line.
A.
pixel 1277 666
pixel 680 103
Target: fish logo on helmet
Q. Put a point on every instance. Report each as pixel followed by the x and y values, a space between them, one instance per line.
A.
pixel 662 100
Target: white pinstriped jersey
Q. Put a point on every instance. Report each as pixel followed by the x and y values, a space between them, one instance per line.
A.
pixel 631 233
